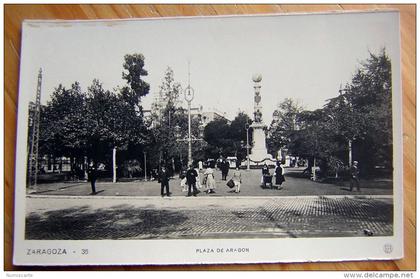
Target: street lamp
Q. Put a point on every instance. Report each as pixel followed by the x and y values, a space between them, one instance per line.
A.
pixel 349 139
pixel 189 96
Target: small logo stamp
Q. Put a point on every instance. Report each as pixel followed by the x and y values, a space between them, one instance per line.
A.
pixel 388 248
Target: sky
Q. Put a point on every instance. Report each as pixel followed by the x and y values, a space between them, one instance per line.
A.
pixel 305 57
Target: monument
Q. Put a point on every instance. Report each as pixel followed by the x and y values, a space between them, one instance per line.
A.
pixel 259 154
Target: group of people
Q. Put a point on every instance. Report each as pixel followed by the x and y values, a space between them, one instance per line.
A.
pixel 194 179
pixel 268 178
pixel 191 182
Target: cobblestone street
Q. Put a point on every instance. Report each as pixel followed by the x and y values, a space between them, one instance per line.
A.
pixel 77 218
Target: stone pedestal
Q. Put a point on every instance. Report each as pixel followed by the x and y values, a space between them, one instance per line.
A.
pixel 259 154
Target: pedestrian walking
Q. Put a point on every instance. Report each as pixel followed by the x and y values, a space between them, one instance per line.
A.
pixel 191 181
pixel 279 173
pixel 237 179
pixel 164 182
pixel 224 167
pixel 210 181
pixel 92 176
pixel 354 176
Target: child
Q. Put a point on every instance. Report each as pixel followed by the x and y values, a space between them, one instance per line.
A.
pixel 184 185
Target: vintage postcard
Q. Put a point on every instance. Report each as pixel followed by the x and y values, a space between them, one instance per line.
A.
pixel 196 140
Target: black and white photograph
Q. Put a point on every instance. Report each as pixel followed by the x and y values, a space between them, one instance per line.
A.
pixel 228 139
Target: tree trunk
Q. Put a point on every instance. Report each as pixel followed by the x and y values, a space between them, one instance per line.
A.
pixel 54 161
pixel 314 170
pixel 72 164
pixel 350 151
pixel 85 167
pixel 145 166
pixel 114 164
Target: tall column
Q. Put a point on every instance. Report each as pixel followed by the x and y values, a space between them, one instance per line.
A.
pixel 259 153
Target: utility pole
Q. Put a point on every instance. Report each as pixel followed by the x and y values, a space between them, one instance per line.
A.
pixel 33 152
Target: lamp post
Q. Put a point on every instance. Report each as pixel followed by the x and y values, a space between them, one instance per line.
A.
pixel 247 146
pixel 189 96
pixel 350 139
pixel 177 137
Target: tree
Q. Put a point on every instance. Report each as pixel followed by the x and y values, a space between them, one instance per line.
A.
pixel 216 134
pixel 114 123
pixel 355 125
pixel 227 139
pixel 79 125
pixel 370 93
pixel 283 125
pixel 63 124
pixel 238 134
pixel 101 119
pixel 168 99
pixel 133 73
pixel 362 114
pixel 167 114
pixel 170 90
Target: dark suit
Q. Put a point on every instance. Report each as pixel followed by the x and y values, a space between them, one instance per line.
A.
pixel 225 169
pixel 191 181
pixel 354 179
pixel 164 182
pixel 92 175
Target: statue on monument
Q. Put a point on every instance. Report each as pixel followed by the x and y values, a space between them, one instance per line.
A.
pixel 258 116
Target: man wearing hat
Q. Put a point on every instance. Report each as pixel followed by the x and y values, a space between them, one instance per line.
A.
pixel 92 175
pixel 164 181
pixel 191 181
pixel 354 179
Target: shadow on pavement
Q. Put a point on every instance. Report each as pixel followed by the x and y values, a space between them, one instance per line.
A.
pixel 79 223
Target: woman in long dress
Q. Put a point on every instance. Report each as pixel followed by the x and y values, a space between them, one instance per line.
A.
pixel 210 182
pixel 279 175
pixel 237 179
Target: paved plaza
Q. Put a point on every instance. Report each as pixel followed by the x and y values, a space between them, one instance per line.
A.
pixel 135 210
pixel 295 185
